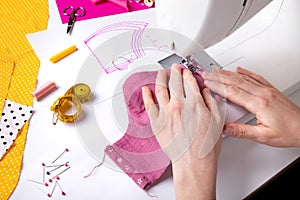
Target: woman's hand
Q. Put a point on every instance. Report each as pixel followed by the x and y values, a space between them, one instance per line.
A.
pixel 182 123
pixel 278 118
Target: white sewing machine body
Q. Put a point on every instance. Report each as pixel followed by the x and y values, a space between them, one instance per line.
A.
pixel 262 36
pixel 206 21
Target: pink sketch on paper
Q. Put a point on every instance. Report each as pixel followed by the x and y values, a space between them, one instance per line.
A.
pixel 137 51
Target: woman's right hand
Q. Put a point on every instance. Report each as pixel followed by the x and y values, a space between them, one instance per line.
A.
pixel 278 118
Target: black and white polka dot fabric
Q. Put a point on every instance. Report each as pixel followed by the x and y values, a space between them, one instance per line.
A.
pixel 13 117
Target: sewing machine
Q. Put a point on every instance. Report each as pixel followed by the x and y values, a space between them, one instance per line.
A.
pixel 207 22
pixel 259 35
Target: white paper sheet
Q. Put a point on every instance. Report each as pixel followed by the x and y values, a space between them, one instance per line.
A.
pixel 244 165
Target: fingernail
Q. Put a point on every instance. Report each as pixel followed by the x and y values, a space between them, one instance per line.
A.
pixel 228 131
pixel 143 89
pixel 181 66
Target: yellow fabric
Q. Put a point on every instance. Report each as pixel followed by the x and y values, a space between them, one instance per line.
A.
pixel 19 67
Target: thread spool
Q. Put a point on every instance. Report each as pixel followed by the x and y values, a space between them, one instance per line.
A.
pixel 44 90
pixel 149 3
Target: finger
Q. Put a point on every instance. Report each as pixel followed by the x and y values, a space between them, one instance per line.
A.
pixel 215 127
pixel 222 71
pixel 230 73
pixel 150 106
pixel 175 82
pixel 269 90
pixel 253 75
pixel 190 85
pixel 235 95
pixel 161 90
pixel 218 111
pixel 209 100
pixel 245 131
pixel 234 79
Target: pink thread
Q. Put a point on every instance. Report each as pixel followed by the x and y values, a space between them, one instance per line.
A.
pixel 151 195
pixel 44 90
pixel 94 168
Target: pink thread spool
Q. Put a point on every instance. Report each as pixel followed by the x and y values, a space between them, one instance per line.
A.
pixel 44 90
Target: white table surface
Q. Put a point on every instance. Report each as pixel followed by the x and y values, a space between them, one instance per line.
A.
pixel 244 165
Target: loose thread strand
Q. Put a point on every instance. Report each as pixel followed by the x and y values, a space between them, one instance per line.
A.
pixel 151 195
pixel 95 167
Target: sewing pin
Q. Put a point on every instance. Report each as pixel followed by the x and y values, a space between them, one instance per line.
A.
pixel 50 166
pixel 44 165
pixel 50 194
pixel 34 181
pixel 60 173
pixel 66 150
pixel 62 192
pixel 57 167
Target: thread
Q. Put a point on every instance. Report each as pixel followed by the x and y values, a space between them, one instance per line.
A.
pixel 44 90
pixel 149 3
pixel 95 167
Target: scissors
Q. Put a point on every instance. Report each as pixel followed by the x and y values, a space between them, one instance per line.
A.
pixel 73 13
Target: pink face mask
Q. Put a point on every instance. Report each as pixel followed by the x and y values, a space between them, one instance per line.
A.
pixel 138 153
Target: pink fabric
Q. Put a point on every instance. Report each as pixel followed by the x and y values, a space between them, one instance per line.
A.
pixel 138 153
pixel 101 8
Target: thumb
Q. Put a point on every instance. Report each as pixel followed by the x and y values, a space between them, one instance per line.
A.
pixel 241 131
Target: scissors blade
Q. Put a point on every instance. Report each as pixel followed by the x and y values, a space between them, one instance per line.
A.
pixel 70 23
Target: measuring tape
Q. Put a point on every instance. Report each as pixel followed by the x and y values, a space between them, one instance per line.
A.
pixel 74 97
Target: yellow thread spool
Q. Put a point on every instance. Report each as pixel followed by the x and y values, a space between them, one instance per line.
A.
pixel 63 54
